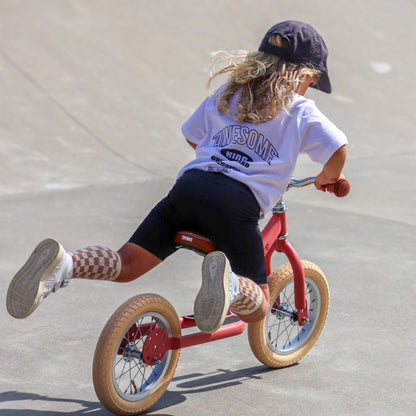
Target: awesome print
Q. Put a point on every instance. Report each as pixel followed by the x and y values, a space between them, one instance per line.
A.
pixel 246 137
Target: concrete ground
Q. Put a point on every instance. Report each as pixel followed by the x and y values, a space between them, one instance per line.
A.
pixel 93 95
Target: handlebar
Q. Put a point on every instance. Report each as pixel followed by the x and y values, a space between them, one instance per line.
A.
pixel 340 188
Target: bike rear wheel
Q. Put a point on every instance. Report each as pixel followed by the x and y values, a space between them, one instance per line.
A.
pixel 123 382
pixel 278 340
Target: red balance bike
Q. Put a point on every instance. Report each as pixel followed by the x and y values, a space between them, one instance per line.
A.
pixel 138 350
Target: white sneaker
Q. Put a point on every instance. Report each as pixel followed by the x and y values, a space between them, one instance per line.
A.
pixel 47 269
pixel 218 290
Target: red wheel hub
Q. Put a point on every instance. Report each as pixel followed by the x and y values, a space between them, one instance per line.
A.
pixel 155 346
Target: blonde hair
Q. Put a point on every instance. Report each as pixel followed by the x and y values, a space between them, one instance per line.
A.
pixel 265 84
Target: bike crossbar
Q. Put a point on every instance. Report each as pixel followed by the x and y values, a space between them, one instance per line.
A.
pixel 232 326
pixel 158 342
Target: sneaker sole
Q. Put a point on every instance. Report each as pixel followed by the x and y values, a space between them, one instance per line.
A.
pixel 26 288
pixel 212 303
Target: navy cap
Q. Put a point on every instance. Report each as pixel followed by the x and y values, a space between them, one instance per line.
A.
pixel 304 46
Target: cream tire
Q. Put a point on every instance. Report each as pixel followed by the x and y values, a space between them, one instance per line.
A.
pixel 278 340
pixel 123 382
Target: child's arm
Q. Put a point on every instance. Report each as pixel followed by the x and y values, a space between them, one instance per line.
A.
pixel 332 170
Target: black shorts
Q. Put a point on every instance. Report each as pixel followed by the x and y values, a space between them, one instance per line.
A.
pixel 216 206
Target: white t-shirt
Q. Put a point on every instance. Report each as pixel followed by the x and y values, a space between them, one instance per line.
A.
pixel 262 156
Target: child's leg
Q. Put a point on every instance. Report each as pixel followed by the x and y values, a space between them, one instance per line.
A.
pixel 253 300
pixel 102 263
pixel 50 267
pixel 222 289
pixel 96 262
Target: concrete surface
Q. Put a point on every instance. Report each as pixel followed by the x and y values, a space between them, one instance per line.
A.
pixel 92 98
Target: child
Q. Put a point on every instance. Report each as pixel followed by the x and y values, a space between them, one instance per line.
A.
pixel 247 136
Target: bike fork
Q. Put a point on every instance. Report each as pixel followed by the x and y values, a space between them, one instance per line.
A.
pixel 301 304
pixel 281 245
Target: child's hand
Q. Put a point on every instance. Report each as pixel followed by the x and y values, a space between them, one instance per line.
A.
pixel 322 180
pixel 331 172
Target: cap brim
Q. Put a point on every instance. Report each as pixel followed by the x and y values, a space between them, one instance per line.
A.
pixel 324 83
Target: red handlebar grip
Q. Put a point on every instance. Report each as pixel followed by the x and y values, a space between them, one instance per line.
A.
pixel 341 188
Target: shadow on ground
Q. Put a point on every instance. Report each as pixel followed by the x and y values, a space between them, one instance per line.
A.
pixel 182 387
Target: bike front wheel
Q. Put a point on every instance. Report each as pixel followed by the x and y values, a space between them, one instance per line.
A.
pixel 278 340
pixel 124 380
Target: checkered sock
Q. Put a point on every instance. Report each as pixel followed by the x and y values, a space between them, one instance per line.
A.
pixel 96 262
pixel 250 299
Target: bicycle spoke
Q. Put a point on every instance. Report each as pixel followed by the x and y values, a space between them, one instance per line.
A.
pixel 121 373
